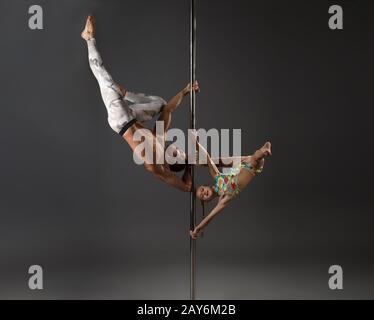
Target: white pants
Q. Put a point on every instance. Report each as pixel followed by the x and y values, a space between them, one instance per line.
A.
pixel 122 110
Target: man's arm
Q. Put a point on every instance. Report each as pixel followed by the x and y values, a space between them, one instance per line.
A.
pixel 178 98
pixel 173 180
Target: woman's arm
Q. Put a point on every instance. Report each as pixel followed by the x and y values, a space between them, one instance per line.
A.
pixel 213 170
pixel 222 204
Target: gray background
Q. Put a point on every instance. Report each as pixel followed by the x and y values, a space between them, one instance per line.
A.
pixel 73 201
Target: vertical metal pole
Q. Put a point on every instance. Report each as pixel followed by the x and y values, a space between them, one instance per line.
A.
pixel 193 126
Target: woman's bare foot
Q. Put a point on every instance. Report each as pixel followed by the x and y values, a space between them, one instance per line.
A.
pixel 89 30
pixel 262 153
pixel 194 235
pixel 266 149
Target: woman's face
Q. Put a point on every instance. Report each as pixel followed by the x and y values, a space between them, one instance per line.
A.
pixel 205 193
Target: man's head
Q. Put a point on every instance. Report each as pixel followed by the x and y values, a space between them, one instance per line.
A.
pixel 178 154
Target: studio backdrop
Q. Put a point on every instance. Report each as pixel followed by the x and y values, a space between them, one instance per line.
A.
pixel 74 202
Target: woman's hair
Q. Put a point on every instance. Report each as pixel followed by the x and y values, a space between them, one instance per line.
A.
pixel 203 206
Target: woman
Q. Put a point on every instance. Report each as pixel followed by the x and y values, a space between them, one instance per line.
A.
pixel 227 186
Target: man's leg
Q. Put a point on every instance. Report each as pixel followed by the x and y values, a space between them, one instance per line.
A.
pixel 144 107
pixel 120 117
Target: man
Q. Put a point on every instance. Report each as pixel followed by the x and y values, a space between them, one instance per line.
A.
pixel 128 111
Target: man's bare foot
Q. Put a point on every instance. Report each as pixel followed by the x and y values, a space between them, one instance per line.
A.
pixel 89 30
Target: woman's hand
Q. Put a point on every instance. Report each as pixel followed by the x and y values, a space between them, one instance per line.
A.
pixel 194 234
pixel 195 87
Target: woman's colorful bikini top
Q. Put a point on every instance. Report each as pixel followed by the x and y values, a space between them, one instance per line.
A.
pixel 227 183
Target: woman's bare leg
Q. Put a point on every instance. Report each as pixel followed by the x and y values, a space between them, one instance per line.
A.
pixel 257 162
pixel 229 161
